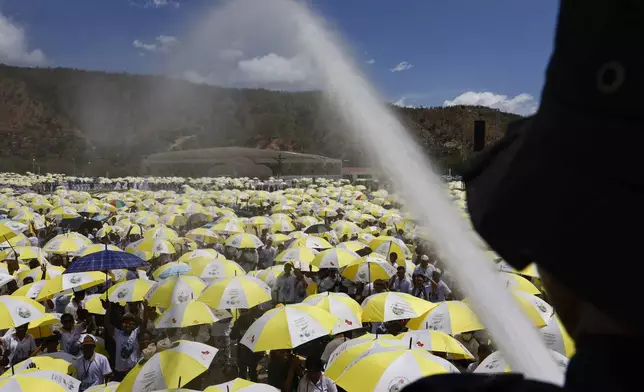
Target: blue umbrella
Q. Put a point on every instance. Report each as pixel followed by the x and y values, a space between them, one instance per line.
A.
pixel 106 260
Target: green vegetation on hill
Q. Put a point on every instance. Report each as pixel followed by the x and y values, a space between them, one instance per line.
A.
pixel 91 123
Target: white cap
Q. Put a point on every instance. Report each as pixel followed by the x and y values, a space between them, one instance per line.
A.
pixel 424 258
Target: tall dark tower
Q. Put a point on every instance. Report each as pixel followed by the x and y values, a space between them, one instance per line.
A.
pixel 479 135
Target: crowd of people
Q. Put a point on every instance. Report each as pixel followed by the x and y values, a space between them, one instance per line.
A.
pixel 295 243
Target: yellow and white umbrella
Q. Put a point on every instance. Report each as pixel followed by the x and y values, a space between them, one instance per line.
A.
pixel 495 363
pixel 30 290
pixel 241 385
pixel 335 258
pixel 260 222
pixel 385 245
pixel 63 212
pixel 179 364
pixel 10 229
pixel 40 363
pixel 345 308
pixel 244 241
pixel 134 290
pixel 391 369
pixel 282 226
pixel 36 273
pixel 16 311
pixel 201 253
pixel 519 283
pixel 240 292
pixel 151 245
pixel 293 255
pixel 311 241
pixel 66 244
pixel 188 314
pixel 288 326
pixel 64 282
pixel 93 304
pixel 175 290
pixel 24 253
pixel 529 271
pixel 369 269
pixel 161 232
pixel 346 228
pixel 354 246
pixel 390 306
pixel 204 235
pixel 39 380
pixel 352 349
pixel 233 226
pixel 95 248
pixel 215 269
pixel 109 387
pixel 556 337
pixel 270 275
pixel 451 317
pixel 435 341
pixel 537 310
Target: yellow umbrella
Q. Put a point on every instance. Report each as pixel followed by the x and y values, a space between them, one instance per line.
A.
pixel 345 308
pixel 66 244
pixel 30 290
pixel 179 364
pixel 241 385
pixel 244 241
pixel 174 268
pixel 495 363
pixel 369 269
pixel 36 273
pixel 215 269
pixel 133 290
pixel 60 283
pixel 288 326
pixel 518 282
pixel 204 235
pixel 530 271
pixel 189 314
pixel 24 253
pixel 40 363
pixel 109 387
pixel 335 258
pixel 95 248
pixel 260 222
pixel 282 226
pixel 210 254
pixel 311 241
pixel 451 317
pixel 391 368
pixel 161 232
pixel 435 341
pixel 386 245
pixel 239 292
pixel 93 304
pixel 16 311
pixel 556 337
pixel 151 245
pixel 296 254
pixel 175 290
pixel 39 380
pixel 390 306
pixel 352 349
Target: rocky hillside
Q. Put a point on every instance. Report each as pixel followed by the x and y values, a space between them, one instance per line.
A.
pixel 93 122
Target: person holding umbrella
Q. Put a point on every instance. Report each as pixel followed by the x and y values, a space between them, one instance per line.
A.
pixel 92 368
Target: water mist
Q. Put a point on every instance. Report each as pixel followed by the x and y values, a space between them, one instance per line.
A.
pixel 375 126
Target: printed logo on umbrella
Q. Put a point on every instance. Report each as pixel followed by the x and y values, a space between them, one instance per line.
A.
pixel 252 339
pixel 23 312
pixel 122 293
pixel 397 384
pixel 348 322
pixel 75 279
pixel 420 344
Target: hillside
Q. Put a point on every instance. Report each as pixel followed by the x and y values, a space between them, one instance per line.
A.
pixel 77 121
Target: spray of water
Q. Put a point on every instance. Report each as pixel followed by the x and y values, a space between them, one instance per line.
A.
pixel 406 165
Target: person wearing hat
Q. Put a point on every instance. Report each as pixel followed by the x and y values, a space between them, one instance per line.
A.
pixel 424 268
pixel 92 368
pixel 563 189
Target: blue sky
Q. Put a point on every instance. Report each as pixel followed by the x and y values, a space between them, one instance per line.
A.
pixel 461 51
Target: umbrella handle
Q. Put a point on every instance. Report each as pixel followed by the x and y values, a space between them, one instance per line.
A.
pixel 179 384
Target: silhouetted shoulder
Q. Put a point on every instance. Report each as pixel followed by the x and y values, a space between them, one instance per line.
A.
pixel 479 383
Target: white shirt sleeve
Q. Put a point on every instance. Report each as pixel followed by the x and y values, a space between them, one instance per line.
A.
pixel 105 366
pixel 32 343
pixel 330 385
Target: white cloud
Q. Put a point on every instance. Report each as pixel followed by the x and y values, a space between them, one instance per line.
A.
pixel 405 102
pixel 371 61
pixel 155 3
pixel 230 54
pixel 164 43
pixel 402 66
pixel 14 48
pixel 523 104
pixel 276 69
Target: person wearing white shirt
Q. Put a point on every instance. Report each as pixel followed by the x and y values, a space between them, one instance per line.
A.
pixel 92 368
pixel 399 282
pixel 424 268
pixel 70 334
pixel 267 254
pixel 75 304
pixel 314 379
pixel 18 345
pixel 285 285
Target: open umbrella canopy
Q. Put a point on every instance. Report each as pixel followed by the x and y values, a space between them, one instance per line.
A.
pixel 16 311
pixel 106 260
pixel 39 380
pixel 287 327
pixel 239 292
